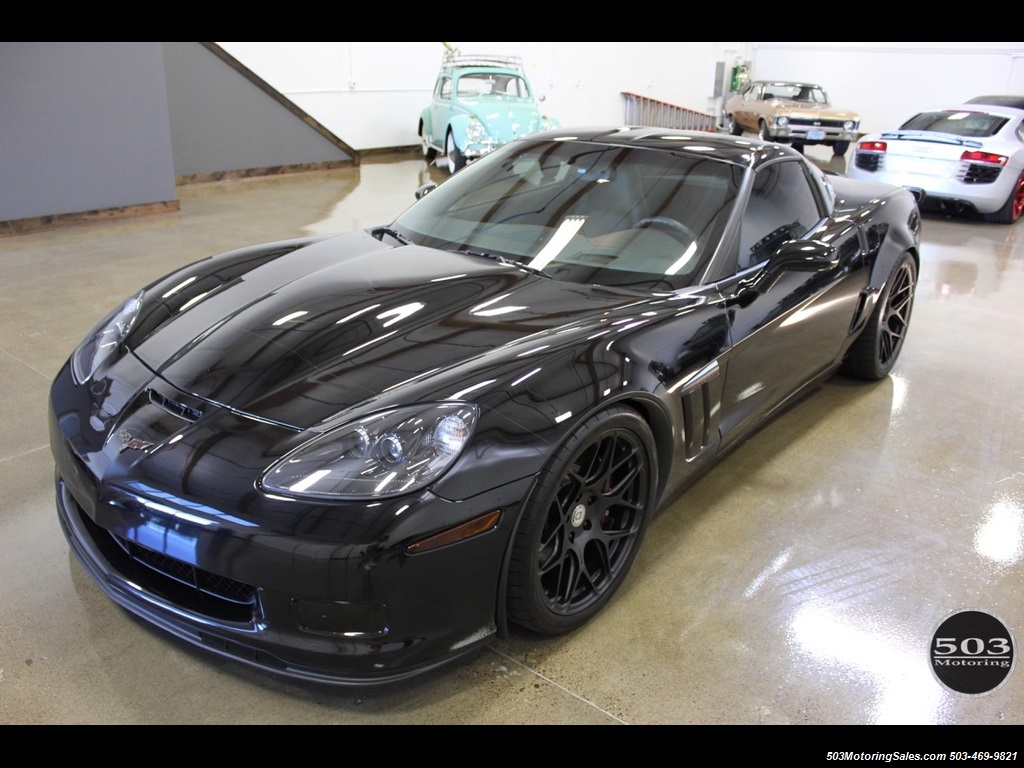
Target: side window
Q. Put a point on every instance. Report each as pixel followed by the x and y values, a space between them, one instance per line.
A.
pixel 782 206
pixel 445 89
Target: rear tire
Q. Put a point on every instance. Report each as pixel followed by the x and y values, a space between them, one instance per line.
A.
pixel 732 126
pixel 1012 208
pixel 877 348
pixel 583 523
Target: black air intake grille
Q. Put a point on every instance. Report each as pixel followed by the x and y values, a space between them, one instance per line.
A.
pixel 975 173
pixel 868 161
pixel 203 581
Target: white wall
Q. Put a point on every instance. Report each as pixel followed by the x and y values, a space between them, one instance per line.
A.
pixel 887 82
pixel 370 94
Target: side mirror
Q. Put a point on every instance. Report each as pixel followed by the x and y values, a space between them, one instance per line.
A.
pixel 802 256
pixel 792 256
pixel 426 188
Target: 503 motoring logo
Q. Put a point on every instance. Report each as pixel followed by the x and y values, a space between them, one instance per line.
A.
pixel 972 652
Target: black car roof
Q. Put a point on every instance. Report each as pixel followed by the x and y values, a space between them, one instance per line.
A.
pixel 740 150
pixel 999 100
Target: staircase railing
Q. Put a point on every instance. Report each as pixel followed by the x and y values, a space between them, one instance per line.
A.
pixel 641 110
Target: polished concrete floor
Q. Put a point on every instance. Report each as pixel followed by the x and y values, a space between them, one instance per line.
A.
pixel 800 582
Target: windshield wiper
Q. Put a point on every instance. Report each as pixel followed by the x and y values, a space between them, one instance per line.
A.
pixel 505 260
pixel 379 233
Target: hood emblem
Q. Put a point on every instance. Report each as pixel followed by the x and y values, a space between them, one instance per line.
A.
pixel 128 442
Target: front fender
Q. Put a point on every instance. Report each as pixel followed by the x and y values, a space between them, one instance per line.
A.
pixel 887 242
pixel 457 125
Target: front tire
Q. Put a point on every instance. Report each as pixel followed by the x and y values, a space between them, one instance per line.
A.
pixel 1012 208
pixel 840 148
pixel 583 523
pixel 877 348
pixel 456 160
pixel 762 132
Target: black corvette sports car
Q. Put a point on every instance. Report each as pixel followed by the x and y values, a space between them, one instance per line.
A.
pixel 351 458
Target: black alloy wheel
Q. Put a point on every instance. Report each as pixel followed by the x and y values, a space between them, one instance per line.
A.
pixel 877 348
pixel 583 523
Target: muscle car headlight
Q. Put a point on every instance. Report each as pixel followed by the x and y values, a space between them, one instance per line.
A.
pixel 388 453
pixel 850 125
pixel 104 341
pixel 475 130
pixel 782 121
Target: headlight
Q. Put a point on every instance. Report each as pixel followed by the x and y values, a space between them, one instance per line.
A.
pixel 385 454
pixel 104 341
pixel 850 125
pixel 782 121
pixel 475 131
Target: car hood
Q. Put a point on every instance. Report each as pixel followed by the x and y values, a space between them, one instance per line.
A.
pixel 811 111
pixel 301 338
pixel 507 118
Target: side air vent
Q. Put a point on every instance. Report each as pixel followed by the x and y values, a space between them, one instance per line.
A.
pixel 700 409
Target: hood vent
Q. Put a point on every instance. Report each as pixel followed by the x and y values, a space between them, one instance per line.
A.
pixel 174 407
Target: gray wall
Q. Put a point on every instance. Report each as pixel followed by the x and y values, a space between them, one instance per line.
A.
pixel 83 127
pixel 220 121
pixel 106 126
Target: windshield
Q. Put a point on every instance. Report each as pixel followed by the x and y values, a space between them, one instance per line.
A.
pixel 581 212
pixel 960 123
pixel 795 92
pixel 476 84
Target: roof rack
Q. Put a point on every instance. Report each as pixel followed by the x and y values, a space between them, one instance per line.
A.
pixel 452 59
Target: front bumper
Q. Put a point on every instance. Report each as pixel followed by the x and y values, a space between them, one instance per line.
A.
pixel 302 591
pixel 812 134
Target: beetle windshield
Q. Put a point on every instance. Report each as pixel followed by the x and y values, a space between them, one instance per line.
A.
pixel 581 212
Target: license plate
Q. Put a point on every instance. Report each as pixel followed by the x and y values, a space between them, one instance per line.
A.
pixel 815 134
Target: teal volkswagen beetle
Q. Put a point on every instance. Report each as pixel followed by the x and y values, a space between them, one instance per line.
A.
pixel 479 103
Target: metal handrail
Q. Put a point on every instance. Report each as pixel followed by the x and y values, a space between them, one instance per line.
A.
pixel 641 110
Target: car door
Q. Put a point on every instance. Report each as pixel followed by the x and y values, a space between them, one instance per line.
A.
pixel 798 328
pixel 441 109
pixel 749 114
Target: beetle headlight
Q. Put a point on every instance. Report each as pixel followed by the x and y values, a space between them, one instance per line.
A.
pixel 104 341
pixel 388 453
pixel 475 130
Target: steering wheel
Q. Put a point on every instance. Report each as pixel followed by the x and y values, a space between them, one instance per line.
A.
pixel 672 227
